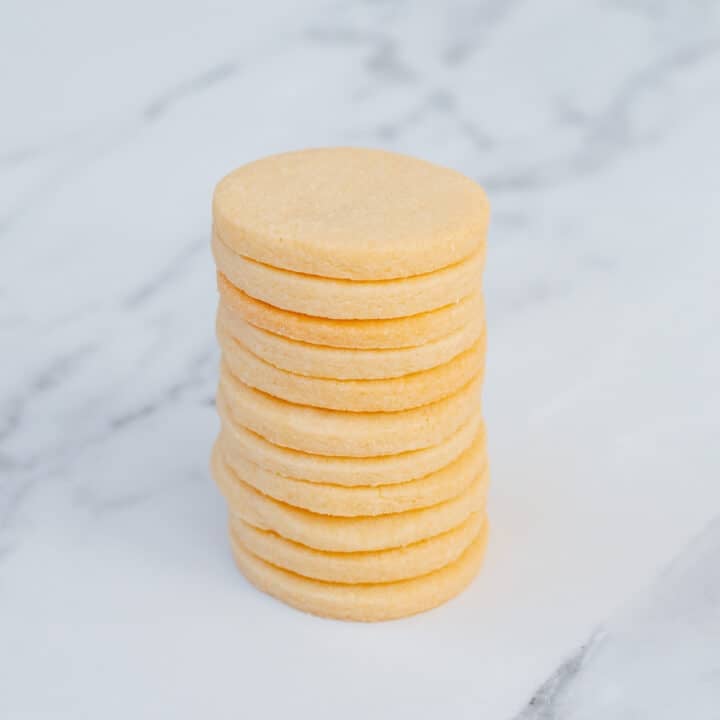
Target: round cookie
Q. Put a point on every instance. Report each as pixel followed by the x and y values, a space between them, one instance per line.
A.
pixel 365 602
pixel 335 432
pixel 339 500
pixel 350 213
pixel 359 334
pixel 388 395
pixel 345 299
pixel 346 471
pixel 359 567
pixel 318 361
pixel 346 534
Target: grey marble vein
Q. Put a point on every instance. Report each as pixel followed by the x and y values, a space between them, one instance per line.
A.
pixel 542 704
pixel 93 144
pixel 608 133
pixel 22 472
pixel 166 100
pixel 383 62
pixel 197 375
pixel 475 25
pixel 659 658
pixel 605 135
pixel 593 127
pixel 57 371
pixel 18 156
pixel 163 279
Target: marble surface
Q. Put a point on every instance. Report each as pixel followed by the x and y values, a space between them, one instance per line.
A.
pixel 594 128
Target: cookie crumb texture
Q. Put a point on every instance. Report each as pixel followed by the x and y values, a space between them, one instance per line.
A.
pixel 352 452
pixel 350 213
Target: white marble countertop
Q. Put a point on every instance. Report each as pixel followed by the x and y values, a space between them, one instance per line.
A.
pixel 594 128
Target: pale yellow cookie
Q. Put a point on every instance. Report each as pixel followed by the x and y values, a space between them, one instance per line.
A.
pixel 346 534
pixel 380 566
pixel 347 471
pixel 360 334
pixel 320 361
pixel 354 434
pixel 343 501
pixel 388 395
pixel 367 602
pixel 346 299
pixel 350 213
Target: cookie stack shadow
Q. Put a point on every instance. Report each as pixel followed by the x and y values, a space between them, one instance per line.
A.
pixel 352 451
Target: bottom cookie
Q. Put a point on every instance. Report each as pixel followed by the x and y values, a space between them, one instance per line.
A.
pixel 364 602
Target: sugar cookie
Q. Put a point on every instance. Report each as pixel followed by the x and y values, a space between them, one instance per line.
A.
pixel 345 299
pixel 343 501
pixel 334 432
pixel 359 334
pixel 347 471
pixel 319 361
pixel 345 534
pixel 364 602
pixel 359 567
pixel 350 213
pixel 388 395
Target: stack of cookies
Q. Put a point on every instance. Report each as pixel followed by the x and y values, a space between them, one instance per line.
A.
pixel 352 452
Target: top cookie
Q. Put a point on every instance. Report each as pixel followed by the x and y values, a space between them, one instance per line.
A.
pixel 350 213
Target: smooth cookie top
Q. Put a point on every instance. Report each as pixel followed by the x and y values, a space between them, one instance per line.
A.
pixel 350 213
